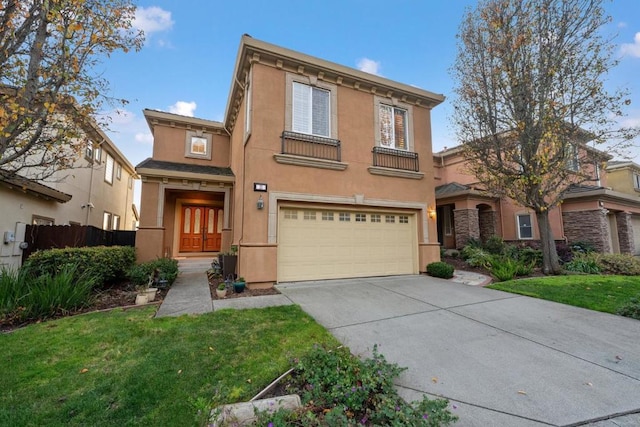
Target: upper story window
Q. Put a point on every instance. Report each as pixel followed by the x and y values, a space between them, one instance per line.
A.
pixel 393 127
pixel 119 171
pixel 636 181
pixel 393 122
pixel 198 145
pixel 311 110
pixel 108 170
pixel 311 106
pixel 572 158
pixel 98 154
pixel 88 151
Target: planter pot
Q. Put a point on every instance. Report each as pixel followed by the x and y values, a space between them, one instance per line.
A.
pixel 141 299
pixel 221 293
pixel 151 294
pixel 238 287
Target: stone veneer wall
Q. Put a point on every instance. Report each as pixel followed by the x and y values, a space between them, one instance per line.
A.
pixel 488 221
pixel 625 233
pixel 587 226
pixel 466 226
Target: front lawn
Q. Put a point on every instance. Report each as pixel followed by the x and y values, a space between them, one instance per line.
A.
pixel 601 293
pixel 127 368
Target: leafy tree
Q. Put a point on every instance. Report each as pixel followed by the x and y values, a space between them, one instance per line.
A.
pixel 50 87
pixel 531 95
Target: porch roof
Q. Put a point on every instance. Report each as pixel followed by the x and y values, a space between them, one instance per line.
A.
pixel 184 170
pixel 34 188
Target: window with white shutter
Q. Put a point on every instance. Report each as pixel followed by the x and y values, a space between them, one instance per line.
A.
pixel 108 170
pixel 311 110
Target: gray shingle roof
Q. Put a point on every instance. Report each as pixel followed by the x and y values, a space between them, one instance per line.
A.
pixel 184 167
pixel 450 188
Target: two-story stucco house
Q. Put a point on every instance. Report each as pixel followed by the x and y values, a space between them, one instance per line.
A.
pixel 97 191
pixel 317 171
pixel 596 211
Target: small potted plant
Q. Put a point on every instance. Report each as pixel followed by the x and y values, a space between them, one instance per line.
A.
pixel 221 290
pixel 238 285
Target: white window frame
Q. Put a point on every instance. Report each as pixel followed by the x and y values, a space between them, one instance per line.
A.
pixel 572 161
pixel 115 222
pixel 394 104
pixel 118 171
pixel 190 137
pixel 42 220
pixel 636 180
pixel 313 82
pixel 98 154
pixel 88 151
pixel 519 226
pixel 107 220
pixel 108 169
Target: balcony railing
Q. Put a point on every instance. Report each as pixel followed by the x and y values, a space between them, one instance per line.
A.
pixel 395 159
pixel 300 144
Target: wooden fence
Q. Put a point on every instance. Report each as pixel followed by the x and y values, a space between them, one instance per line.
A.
pixel 40 237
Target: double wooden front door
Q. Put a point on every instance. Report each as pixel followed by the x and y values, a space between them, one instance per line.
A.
pixel 200 228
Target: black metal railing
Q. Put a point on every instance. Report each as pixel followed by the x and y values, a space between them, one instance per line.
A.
pixel 395 159
pixel 300 144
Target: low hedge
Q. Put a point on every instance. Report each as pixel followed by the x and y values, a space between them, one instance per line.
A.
pixel 106 264
pixel 440 269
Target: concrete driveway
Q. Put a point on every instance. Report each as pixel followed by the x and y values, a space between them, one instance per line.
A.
pixel 502 359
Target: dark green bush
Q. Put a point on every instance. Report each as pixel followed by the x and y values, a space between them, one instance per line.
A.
pixel 582 248
pixel 339 389
pixel 106 264
pixel 494 245
pixel 631 309
pixel 440 269
pixel 166 268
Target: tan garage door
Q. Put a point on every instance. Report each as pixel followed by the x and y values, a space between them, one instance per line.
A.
pixel 635 223
pixel 330 244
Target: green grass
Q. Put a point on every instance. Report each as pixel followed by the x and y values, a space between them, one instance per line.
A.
pixel 145 371
pixel 601 293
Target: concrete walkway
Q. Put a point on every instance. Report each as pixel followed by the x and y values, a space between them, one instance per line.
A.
pixel 501 359
pixel 190 292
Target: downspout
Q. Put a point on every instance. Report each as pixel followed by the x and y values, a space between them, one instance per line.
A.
pixel 91 185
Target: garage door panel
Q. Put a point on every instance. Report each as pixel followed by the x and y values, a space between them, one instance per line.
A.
pixel 365 245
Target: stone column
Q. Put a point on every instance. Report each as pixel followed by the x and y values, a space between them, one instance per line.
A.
pixel 487 222
pixel 588 226
pixel 625 233
pixel 467 226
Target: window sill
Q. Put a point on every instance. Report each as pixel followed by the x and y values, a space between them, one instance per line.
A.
pixel 398 173
pixel 311 162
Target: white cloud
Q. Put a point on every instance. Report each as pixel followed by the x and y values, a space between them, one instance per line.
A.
pixel 632 49
pixel 369 66
pixel 622 25
pixel 152 19
pixel 183 108
pixel 144 138
pixel 121 117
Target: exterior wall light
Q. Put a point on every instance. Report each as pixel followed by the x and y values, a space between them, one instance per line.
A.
pixel 432 213
pixel 260 204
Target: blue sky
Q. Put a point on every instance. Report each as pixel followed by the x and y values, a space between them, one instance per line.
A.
pixel 186 64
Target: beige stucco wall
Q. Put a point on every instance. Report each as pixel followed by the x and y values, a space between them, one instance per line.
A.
pixel 622 180
pixel 169 145
pixel 356 131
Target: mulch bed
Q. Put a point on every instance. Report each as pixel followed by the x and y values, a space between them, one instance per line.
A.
pixel 117 295
pixel 214 282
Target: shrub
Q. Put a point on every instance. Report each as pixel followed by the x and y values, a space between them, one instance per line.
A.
pixel 106 264
pixel 631 309
pixel 24 296
pixel 166 268
pixel 440 269
pixel 582 248
pixel 523 269
pixel 339 389
pixel 503 268
pixel 583 263
pixel 494 245
pixel 623 264
pixel 564 252
pixel 476 257
pixel 528 255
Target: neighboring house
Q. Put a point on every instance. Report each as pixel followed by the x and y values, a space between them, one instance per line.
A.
pixel 590 212
pixel 317 171
pixel 98 191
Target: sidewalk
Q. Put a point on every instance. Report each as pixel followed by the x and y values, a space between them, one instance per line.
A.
pixel 190 293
